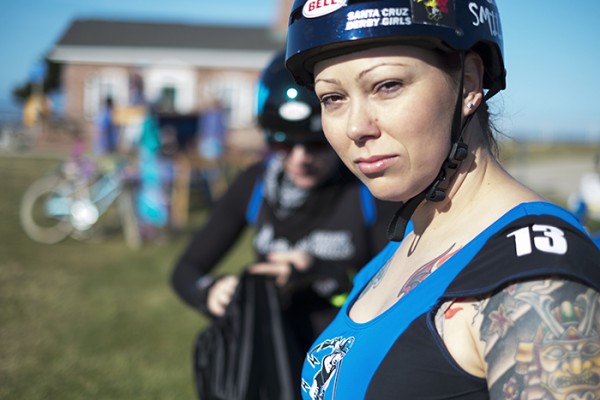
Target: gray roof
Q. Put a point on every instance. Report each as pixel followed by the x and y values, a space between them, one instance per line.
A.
pixel 95 41
pixel 96 32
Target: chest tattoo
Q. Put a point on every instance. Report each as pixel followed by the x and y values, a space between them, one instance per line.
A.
pixel 423 272
pixel 376 280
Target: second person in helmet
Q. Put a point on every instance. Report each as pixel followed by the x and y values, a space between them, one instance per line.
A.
pixel 314 223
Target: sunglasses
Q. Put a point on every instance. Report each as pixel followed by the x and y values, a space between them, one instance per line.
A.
pixel 310 145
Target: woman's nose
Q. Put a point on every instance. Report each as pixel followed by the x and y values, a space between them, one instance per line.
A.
pixel 361 124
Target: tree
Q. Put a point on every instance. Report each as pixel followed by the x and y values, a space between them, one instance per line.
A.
pixel 51 82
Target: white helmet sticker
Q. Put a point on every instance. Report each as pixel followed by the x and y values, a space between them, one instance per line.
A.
pixel 294 111
pixel 318 8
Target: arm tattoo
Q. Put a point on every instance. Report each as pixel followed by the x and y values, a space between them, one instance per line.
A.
pixel 542 341
pixel 446 312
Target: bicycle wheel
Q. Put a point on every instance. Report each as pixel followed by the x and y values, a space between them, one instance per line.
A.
pixel 129 220
pixel 45 210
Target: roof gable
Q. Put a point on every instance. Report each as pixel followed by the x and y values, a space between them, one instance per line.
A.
pixel 110 33
pixel 93 41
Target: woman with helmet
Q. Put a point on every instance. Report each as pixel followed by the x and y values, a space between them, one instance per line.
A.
pixel 494 291
pixel 314 222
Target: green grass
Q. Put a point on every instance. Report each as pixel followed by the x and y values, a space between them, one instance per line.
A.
pixel 82 320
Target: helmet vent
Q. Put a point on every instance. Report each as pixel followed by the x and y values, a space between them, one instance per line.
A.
pixel 295 15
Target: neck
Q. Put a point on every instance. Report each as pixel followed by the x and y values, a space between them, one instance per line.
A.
pixel 464 187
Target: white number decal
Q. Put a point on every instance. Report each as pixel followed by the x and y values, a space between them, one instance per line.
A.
pixel 546 238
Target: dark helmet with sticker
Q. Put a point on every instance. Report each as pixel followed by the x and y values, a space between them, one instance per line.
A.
pixel 320 29
pixel 285 108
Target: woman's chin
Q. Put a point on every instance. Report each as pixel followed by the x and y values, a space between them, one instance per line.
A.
pixel 388 191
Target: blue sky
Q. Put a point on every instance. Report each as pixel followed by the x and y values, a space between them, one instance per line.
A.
pixel 552 57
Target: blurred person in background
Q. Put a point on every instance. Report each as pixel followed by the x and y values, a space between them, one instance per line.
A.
pixel 155 174
pixel 106 139
pixel 212 137
pixel 314 223
pixel 212 131
pixel 37 108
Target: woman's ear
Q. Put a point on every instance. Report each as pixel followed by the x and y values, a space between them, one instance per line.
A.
pixel 473 82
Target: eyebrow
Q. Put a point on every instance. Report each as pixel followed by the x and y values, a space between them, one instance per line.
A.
pixel 384 64
pixel 331 80
pixel 362 73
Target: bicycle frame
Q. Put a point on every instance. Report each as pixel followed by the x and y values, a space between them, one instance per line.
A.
pixel 91 202
pixel 70 203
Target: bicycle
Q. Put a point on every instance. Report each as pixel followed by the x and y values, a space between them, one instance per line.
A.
pixel 72 200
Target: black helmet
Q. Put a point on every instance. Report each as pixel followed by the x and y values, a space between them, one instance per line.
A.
pixel 320 29
pixel 285 108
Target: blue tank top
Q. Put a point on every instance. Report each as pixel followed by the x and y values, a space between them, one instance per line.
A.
pixel 351 361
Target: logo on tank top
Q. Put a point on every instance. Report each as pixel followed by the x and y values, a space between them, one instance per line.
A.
pixel 325 360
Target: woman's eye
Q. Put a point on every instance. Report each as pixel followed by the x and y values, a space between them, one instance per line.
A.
pixel 330 99
pixel 388 86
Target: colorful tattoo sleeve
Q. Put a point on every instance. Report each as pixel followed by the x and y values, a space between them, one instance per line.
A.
pixel 542 341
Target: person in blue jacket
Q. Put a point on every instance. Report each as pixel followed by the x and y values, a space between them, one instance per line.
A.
pixel 494 292
pixel 106 138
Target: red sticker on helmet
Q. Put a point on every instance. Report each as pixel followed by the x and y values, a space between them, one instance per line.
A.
pixel 318 8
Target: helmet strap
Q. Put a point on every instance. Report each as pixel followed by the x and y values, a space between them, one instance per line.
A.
pixel 399 221
pixel 437 190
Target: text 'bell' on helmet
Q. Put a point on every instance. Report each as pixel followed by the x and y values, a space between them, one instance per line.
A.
pixel 283 106
pixel 320 29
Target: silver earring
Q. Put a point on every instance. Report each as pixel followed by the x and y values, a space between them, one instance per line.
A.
pixel 470 105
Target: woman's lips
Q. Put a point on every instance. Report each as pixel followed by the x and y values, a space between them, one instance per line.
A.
pixel 375 164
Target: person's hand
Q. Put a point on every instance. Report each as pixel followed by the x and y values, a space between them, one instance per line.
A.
pixel 280 264
pixel 220 294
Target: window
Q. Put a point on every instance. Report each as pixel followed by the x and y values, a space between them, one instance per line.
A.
pixel 236 93
pixel 167 99
pixel 100 85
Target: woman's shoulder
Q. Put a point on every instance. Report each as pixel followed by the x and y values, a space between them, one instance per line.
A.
pixel 533 240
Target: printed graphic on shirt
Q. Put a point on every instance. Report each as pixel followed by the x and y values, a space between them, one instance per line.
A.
pixel 325 360
pixel 326 245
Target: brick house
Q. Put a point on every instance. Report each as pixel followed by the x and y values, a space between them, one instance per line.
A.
pixel 181 67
